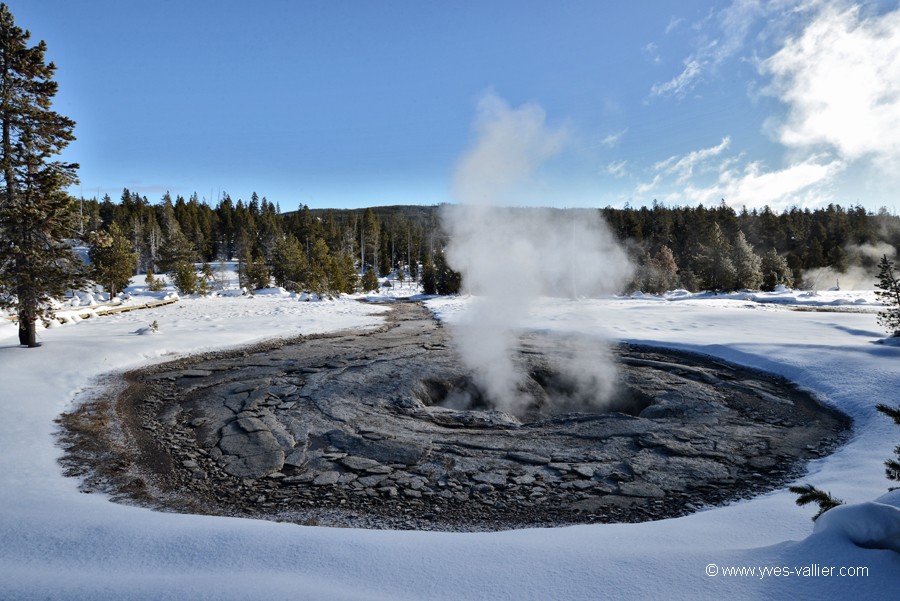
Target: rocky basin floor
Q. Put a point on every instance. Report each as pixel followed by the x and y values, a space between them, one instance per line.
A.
pixel 358 429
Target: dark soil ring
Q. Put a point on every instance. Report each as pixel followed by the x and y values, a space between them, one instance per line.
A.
pixel 349 430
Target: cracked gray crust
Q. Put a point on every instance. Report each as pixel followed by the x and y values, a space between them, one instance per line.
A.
pixel 347 430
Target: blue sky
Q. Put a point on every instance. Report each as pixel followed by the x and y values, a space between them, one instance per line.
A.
pixel 349 104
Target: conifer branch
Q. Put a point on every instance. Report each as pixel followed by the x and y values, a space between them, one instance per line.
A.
pixel 810 494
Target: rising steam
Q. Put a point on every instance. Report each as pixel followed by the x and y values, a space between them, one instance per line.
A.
pixel 509 257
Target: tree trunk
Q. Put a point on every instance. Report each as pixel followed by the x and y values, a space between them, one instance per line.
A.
pixel 27 331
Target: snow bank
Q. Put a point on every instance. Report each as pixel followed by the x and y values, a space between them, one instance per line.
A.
pixel 872 525
pixel 784 296
pixel 62 544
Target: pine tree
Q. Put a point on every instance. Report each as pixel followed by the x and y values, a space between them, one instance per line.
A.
pixel 384 254
pixel 153 241
pixel 319 262
pixel 892 466
pixel 289 264
pixel 369 281
pixel 814 255
pixel 666 267
pixel 775 271
pixel 185 279
pixel 342 274
pixel 221 276
pixel 429 277
pixel 810 494
pixel 448 280
pixel 258 274
pixel 176 250
pixel 370 242
pixel 889 294
pixel 35 264
pixel 245 261
pixel 644 276
pixel 206 271
pixel 747 264
pixel 657 274
pixel 717 269
pixel 154 284
pixel 112 260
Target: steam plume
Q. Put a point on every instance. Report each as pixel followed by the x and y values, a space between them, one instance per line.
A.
pixel 511 256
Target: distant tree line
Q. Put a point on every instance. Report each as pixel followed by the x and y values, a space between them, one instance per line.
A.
pixel 326 250
pixel 305 250
pixel 718 248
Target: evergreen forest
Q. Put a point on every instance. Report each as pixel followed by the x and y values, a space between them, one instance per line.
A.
pixel 325 250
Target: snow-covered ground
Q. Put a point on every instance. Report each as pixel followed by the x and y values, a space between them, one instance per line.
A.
pixel 57 543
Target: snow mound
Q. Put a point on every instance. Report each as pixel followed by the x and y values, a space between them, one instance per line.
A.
pixel 271 292
pixel 678 292
pixel 82 299
pixel 309 297
pixel 871 525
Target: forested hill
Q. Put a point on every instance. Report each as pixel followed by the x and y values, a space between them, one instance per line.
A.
pixel 692 247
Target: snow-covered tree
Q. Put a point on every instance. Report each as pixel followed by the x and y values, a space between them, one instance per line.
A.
pixel 747 264
pixel 659 273
pixel 717 268
pixel 889 294
pixel 775 271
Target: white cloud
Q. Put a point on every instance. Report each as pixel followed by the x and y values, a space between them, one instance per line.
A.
pixel 840 79
pixel 678 85
pixel 678 178
pixel 723 35
pixel 643 188
pixel 683 166
pixel 616 168
pixel 651 51
pixel 801 184
pixel 613 139
pixel 735 23
pixel 836 68
pixel 674 22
